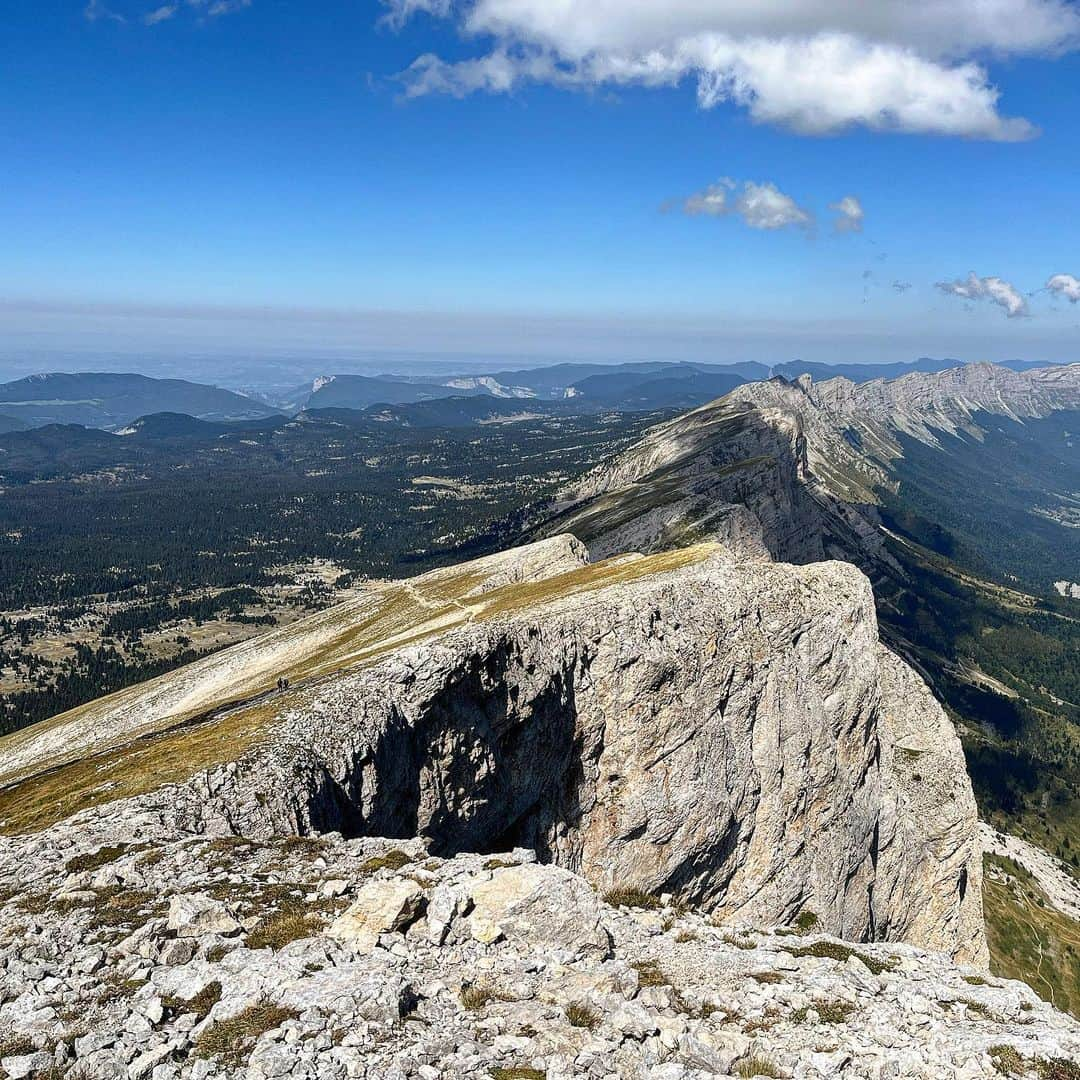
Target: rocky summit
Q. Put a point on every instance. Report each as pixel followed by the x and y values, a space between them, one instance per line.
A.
pixel 669 816
pixel 332 958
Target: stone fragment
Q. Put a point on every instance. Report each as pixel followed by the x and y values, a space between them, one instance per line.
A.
pixel 192 915
pixel 380 907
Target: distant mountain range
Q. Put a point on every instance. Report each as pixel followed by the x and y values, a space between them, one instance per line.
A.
pixel 107 400
pixel 113 401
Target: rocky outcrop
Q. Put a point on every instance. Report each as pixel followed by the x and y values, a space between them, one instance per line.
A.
pixel 790 470
pixel 467 968
pixel 725 732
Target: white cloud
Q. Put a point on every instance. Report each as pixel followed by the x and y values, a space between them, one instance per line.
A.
pixel 1065 285
pixel 761 206
pixel 96 10
pixel 849 214
pixel 158 15
pixel 212 9
pixel 995 289
pixel 814 66
pixel 401 11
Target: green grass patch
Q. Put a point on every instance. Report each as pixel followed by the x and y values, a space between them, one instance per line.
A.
pixel 231 1041
pixel 834 950
pixel 631 897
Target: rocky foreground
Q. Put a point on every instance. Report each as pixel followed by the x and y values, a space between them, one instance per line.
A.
pixel 195 957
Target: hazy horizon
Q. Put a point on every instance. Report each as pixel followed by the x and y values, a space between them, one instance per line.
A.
pixel 239 347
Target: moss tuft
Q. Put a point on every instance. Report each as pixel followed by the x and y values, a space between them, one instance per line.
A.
pixel 391 860
pixel 834 950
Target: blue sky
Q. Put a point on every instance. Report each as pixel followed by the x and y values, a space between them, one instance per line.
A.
pixel 261 175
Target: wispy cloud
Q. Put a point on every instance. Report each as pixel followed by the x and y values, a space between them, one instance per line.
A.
pixel 399 12
pixel 996 290
pixel 849 214
pixel 98 10
pixel 158 15
pixel 813 68
pixel 759 205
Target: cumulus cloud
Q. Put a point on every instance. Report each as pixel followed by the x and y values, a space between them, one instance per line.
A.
pixel 814 66
pixel 759 205
pixel 996 290
pixel 849 214
pixel 1065 285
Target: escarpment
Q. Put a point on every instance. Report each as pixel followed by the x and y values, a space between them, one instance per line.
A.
pixel 792 470
pixel 731 733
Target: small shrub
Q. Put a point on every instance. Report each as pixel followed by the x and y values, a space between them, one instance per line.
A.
pixel 200 1004
pixel 975 980
pixel 631 898
pixel 756 1066
pixel 216 953
pixel 807 921
pixel 1057 1069
pixel 230 1041
pixel 475 997
pixel 16 1046
pixel 976 1007
pixel 517 1073
pixel 390 860
pixel 581 1016
pixel 498 864
pixel 649 974
pixel 834 1012
pixel 1007 1060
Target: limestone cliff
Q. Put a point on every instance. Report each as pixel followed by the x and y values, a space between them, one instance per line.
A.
pixel 732 733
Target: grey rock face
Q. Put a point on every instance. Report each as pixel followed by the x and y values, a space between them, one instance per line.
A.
pixel 682 723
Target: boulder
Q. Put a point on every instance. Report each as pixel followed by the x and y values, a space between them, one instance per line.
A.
pixel 192 915
pixel 545 906
pixel 381 907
